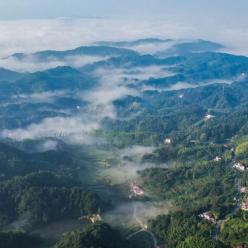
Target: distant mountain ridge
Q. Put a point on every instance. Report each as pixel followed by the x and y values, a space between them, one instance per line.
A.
pixel 133 42
pixel 101 51
pixel 187 47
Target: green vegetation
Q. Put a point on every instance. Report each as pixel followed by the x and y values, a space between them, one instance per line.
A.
pixel 45 197
pixel 242 147
pixel 17 240
pixel 176 230
pixel 43 187
pixel 99 235
pixel 198 185
pixel 234 231
pixel 197 242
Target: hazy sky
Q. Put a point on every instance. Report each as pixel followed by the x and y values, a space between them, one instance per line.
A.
pixel 229 10
pixel 30 25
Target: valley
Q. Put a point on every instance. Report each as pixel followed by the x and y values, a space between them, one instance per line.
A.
pixel 128 149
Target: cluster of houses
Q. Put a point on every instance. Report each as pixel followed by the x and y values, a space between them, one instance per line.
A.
pixel 240 165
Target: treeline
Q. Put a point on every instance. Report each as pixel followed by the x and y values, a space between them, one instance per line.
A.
pixel 193 181
pixel 99 235
pixel 234 231
pixel 182 231
pixel 44 197
pixel 16 162
pixel 180 115
pixel 19 240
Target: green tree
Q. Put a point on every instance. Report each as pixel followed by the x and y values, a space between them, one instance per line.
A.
pixel 197 242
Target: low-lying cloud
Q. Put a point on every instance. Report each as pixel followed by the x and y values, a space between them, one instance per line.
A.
pixel 72 129
pixel 45 97
pixel 32 64
pixel 136 213
pixel 47 145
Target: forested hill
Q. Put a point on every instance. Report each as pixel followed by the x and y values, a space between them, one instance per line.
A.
pixel 122 148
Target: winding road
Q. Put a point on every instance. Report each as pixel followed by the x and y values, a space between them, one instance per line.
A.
pixel 143 228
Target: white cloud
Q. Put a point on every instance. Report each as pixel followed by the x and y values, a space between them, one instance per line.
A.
pixel 110 88
pixel 113 86
pixel 47 96
pixel 59 34
pixel 72 129
pixel 135 212
pixel 48 145
pixel 137 151
pixel 152 48
pixel 31 64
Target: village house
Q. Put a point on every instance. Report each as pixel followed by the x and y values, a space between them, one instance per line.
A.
pixel 244 190
pixel 208 216
pixel 240 246
pixel 95 218
pixel 136 190
pixel 217 159
pixel 244 206
pixel 167 141
pixel 239 165
pixel 92 218
pixel 208 117
pixel 160 246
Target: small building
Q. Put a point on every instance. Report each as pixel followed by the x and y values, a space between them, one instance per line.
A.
pixel 136 190
pixel 92 218
pixel 95 218
pixel 208 216
pixel 240 246
pixel 208 117
pixel 217 159
pixel 244 206
pixel 244 190
pixel 167 141
pixel 240 165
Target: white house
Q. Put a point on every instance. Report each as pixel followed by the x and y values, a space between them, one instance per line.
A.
pixel 244 206
pixel 244 190
pixel 167 141
pixel 208 216
pixel 208 117
pixel 217 159
pixel 239 165
pixel 136 190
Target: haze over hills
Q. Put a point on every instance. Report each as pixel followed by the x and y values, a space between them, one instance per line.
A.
pixel 145 142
